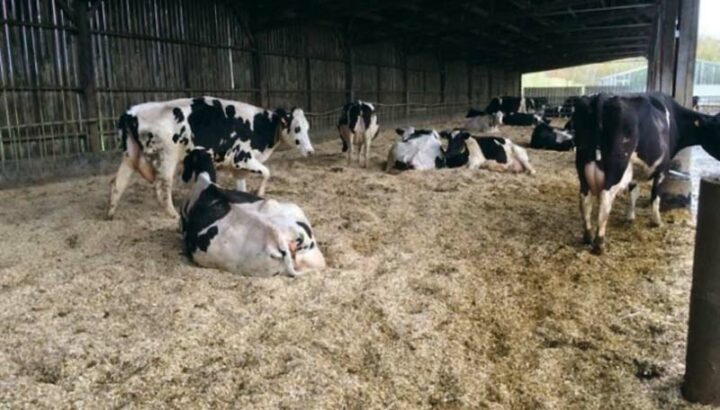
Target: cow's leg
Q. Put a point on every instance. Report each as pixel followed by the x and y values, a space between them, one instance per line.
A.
pixel 351 147
pixel 605 206
pixel 655 201
pixel 586 208
pixel 367 152
pixel 633 194
pixel 390 159
pixel 255 166
pixel 165 163
pixel 119 184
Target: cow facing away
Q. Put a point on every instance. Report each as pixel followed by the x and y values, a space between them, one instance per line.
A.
pixel 491 153
pixel 416 149
pixel 480 121
pixel 156 137
pixel 550 138
pixel 358 126
pixel 621 140
pixel 243 233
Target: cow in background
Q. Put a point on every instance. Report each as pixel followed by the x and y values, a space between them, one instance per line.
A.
pixel 416 149
pixel 358 126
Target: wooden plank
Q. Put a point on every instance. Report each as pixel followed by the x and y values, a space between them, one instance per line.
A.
pixel 687 49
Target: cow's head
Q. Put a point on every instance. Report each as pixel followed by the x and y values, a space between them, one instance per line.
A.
pixel 709 135
pixel 296 130
pixel 199 160
pixel 456 152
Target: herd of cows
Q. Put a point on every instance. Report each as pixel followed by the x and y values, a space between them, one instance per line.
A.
pixel 618 142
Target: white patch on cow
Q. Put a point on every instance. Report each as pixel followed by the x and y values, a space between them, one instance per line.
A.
pixel 419 152
pixel 299 133
pixel 476 159
pixel 632 200
pixel 667 117
pixel 595 177
pixel 607 196
pixel 642 170
pixel 562 136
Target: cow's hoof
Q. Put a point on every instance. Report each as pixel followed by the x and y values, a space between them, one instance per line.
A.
pixel 656 224
pixel 588 238
pixel 109 217
pixel 599 246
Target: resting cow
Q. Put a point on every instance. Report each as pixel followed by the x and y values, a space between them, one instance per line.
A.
pixel 519 119
pixel 482 122
pixel 416 149
pixel 243 233
pixel 492 153
pixel 550 138
pixel 509 105
pixel 623 139
pixel 358 126
pixel 156 136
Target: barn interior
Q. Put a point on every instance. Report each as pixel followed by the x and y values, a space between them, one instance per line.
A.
pixel 447 289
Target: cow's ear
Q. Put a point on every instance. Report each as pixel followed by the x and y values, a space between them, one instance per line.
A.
pixel 400 131
pixel 465 135
pixel 445 134
pixel 188 167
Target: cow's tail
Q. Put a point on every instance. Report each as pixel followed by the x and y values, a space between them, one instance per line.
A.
pixel 130 142
pixel 522 156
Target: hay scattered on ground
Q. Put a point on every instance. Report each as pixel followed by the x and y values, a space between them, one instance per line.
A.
pixel 452 288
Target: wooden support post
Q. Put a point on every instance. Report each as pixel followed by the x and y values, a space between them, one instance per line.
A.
pixel 671 71
pixel 258 83
pixel 702 363
pixel 406 84
pixel 86 75
pixel 443 79
pixel 308 85
pixel 470 84
pixel 378 80
pixel 349 63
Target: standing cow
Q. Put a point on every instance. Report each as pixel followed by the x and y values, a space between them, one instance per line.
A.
pixel 358 126
pixel 623 139
pixel 156 136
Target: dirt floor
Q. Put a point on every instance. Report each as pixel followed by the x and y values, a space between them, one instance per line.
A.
pixel 451 289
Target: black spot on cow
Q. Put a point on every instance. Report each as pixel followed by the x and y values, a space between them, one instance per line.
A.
pixel 176 138
pixel 185 141
pixel 242 156
pixel 305 227
pixel 179 116
pixel 266 126
pixel 493 148
pixel 402 166
pixel 230 111
pixel 128 126
pixel 211 128
pixel 203 241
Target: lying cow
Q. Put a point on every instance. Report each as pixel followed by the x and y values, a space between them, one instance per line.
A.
pixel 156 136
pixel 621 139
pixel 492 153
pixel 416 149
pixel 240 232
pixel 520 119
pixel 482 122
pixel 509 105
pixel 550 138
pixel 358 126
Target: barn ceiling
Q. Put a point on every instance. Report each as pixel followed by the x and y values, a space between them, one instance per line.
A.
pixel 527 35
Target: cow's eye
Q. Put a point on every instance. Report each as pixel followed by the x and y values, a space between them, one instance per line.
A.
pixel 297 129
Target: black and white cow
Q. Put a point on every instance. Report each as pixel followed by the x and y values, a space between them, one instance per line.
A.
pixel 521 119
pixel 240 232
pixel 416 149
pixel 156 136
pixel 358 126
pixel 492 153
pixel 623 139
pixel 509 105
pixel 551 138
pixel 481 121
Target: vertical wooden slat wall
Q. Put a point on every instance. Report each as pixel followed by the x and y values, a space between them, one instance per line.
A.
pixel 146 50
